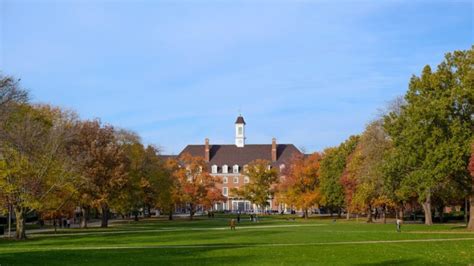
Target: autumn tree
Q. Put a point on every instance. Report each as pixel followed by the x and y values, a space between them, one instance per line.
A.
pixel 370 156
pixel 171 192
pixel 34 168
pixel 433 130
pixel 11 94
pixel 131 197
pixel 195 181
pixel 261 187
pixel 300 185
pixel 102 162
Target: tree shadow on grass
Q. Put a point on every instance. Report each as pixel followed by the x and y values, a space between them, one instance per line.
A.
pixel 394 262
pixel 194 255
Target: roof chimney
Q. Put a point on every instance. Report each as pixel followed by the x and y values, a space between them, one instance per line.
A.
pixel 274 150
pixel 206 150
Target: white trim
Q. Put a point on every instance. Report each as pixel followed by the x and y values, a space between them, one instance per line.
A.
pixel 225 169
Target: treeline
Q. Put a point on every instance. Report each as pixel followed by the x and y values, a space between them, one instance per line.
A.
pixel 52 162
pixel 416 153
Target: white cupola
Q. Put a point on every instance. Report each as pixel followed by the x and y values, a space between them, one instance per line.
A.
pixel 240 132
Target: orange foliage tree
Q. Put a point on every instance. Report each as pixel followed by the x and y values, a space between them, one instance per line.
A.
pixel 195 182
pixel 300 185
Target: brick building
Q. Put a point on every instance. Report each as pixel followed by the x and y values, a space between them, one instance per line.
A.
pixel 228 161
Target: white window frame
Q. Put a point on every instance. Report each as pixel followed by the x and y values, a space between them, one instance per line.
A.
pixel 214 169
pixel 236 178
pixel 225 191
pixel 235 169
pixel 225 169
pixel 282 166
pixel 224 180
pixel 246 180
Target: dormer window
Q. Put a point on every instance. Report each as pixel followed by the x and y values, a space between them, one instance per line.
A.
pixel 235 169
pixel 282 167
pixel 214 169
pixel 225 169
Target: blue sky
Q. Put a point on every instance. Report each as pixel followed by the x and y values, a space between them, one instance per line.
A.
pixel 306 72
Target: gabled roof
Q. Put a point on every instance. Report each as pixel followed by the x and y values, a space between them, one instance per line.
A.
pixel 232 155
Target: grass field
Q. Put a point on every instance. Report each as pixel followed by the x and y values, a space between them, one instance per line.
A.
pixel 272 241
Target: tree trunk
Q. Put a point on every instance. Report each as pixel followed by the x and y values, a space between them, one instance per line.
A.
pixel 305 213
pixel 384 213
pixel 20 233
pixel 441 213
pixel 170 215
pixel 84 216
pixel 105 215
pixel 348 215
pixel 191 211
pixel 135 215
pixel 369 214
pixel 148 215
pixel 427 209
pixel 470 226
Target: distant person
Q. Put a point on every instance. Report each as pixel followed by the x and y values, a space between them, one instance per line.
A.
pixel 238 218
pixel 399 225
pixel 232 224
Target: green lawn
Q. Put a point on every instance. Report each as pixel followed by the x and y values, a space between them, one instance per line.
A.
pixel 272 241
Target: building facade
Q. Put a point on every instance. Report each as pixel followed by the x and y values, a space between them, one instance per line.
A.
pixel 228 161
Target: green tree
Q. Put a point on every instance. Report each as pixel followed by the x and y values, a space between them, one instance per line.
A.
pixel 333 164
pixel 470 224
pixel 433 130
pixel 261 187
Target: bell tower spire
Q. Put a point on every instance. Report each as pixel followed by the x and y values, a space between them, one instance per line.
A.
pixel 240 132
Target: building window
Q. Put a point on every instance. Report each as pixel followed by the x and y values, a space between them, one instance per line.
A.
pixel 236 169
pixel 224 191
pixel 240 131
pixel 225 169
pixel 246 168
pixel 282 166
pixel 246 180
pixel 214 169
pixel 236 179
pixel 224 180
